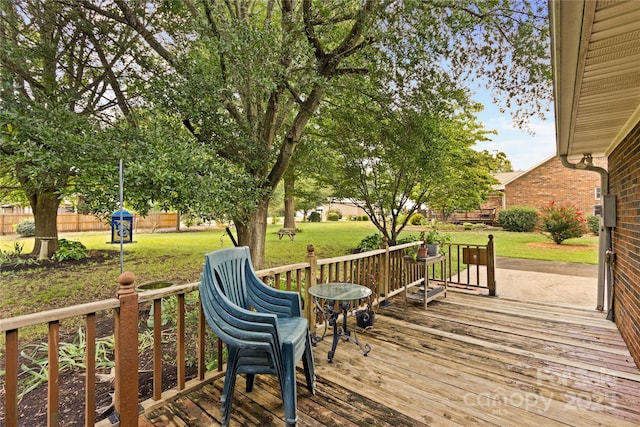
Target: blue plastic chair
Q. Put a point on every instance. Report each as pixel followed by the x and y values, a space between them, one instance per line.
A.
pixel 262 327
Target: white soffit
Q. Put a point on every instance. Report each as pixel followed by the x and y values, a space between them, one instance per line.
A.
pixel 596 58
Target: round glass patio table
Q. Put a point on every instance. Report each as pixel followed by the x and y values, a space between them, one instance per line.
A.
pixel 340 291
pixel 343 293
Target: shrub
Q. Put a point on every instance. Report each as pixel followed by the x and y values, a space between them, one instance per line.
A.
pixel 562 222
pixel 315 217
pixel 70 250
pixel 333 216
pixel 416 219
pixel 467 226
pixel 364 218
pixel 26 228
pixel 593 224
pixel 411 250
pixel 370 243
pixel 336 212
pixel 518 218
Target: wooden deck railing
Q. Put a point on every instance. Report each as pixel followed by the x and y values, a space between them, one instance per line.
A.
pixel 472 265
pixel 383 271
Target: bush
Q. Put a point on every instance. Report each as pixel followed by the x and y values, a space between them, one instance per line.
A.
pixel 315 217
pixel 26 228
pixel 333 216
pixel 467 226
pixel 370 243
pixel 70 250
pixel 364 218
pixel 518 218
pixel 593 224
pixel 335 212
pixel 416 219
pixel 562 222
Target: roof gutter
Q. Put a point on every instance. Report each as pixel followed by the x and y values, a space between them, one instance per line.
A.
pixel 605 254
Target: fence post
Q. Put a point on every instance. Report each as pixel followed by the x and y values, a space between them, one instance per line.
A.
pixel 126 352
pixel 310 280
pixel 491 267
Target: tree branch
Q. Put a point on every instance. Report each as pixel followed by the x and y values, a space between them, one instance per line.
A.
pixel 129 18
pixel 309 30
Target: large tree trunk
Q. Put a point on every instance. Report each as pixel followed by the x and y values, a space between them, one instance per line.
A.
pixel 289 204
pixel 45 214
pixel 253 232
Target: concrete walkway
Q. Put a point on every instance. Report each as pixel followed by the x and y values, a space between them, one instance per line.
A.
pixel 553 282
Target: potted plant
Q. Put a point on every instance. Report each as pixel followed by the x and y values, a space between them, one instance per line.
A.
pixel 422 250
pixel 432 241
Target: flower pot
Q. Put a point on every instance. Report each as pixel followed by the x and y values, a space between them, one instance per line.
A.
pixel 422 252
pixel 432 250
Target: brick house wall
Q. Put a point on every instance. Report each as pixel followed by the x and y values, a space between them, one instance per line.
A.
pixel 494 201
pixel 551 181
pixel 624 177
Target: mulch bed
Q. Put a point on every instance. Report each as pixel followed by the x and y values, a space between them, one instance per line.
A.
pixel 94 256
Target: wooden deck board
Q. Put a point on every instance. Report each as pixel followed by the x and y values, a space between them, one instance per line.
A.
pixel 467 360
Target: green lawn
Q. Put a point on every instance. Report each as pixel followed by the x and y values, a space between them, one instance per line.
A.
pixel 178 257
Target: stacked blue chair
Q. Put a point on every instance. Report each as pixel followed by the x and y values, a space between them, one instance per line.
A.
pixel 262 327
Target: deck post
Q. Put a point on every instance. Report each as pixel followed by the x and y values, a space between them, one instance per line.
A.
pixel 310 280
pixel 126 352
pixel 491 267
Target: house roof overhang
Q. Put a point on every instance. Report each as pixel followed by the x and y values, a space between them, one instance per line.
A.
pixel 595 54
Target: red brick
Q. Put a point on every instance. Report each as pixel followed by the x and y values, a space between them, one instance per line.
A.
pixel 624 182
pixel 551 181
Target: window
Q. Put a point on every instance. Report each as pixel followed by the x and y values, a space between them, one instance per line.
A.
pixel 597 193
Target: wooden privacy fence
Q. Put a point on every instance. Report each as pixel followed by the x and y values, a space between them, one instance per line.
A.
pixel 383 271
pixel 70 222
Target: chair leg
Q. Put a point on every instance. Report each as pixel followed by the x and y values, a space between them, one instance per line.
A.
pixel 229 387
pixel 251 379
pixel 289 397
pixel 309 366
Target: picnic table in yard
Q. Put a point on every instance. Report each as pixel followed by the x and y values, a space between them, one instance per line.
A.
pixel 291 232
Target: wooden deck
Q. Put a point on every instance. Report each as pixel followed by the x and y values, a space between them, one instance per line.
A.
pixel 468 360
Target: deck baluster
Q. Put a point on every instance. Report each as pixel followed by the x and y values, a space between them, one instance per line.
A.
pixel 11 378
pixel 90 372
pixel 53 407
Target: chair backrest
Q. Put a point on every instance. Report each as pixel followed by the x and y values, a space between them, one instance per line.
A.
pixel 228 269
pixel 231 269
pixel 234 324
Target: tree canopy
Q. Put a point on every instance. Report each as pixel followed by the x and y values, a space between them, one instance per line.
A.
pixel 243 79
pixel 390 155
pixel 60 81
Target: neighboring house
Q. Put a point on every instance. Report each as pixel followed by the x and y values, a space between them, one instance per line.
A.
pixel 348 209
pixel 596 75
pixel 548 181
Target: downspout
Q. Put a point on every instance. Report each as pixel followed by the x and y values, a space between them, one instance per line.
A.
pixel 604 242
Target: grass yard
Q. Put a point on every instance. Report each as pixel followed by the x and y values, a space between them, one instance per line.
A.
pixel 178 257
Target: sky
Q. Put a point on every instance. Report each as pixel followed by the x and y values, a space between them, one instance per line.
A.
pixel 522 149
